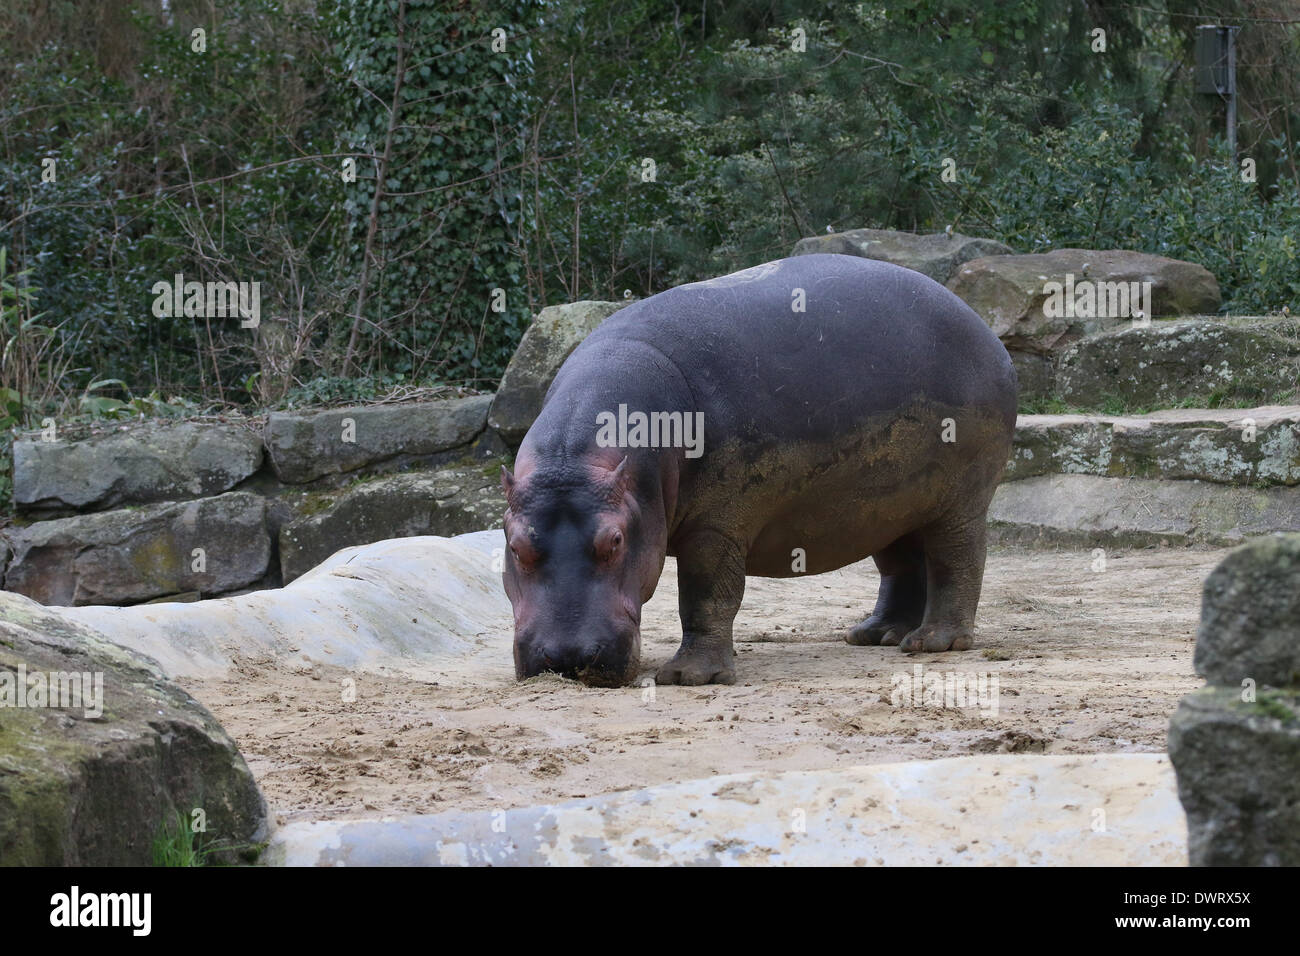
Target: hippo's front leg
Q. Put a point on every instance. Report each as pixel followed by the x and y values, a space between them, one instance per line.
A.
pixel 710 585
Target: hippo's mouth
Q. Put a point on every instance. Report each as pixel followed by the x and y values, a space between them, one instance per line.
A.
pixel 597 674
pixel 611 666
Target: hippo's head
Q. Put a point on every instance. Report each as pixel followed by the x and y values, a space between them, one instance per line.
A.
pixel 579 563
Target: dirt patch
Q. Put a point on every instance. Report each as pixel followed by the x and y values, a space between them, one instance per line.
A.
pixel 1084 661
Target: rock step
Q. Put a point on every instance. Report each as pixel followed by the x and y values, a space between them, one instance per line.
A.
pixel 1234 446
pixel 304 446
pixel 164 461
pixel 1094 511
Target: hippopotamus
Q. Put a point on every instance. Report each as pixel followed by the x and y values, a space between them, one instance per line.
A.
pixel 791 418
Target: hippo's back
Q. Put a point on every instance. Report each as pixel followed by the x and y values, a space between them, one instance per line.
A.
pixel 804 343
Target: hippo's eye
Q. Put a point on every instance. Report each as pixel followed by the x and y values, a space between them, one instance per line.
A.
pixel 524 553
pixel 608 544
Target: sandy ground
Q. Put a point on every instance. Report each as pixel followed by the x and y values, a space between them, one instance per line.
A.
pixel 1086 662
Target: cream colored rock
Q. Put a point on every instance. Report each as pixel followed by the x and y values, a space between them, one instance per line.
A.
pixel 431 605
pixel 1097 810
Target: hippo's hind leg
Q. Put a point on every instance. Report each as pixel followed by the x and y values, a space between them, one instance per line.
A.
pixel 900 603
pixel 954 559
pixel 710 585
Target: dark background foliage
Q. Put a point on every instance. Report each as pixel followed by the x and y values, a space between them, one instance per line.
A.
pixel 491 182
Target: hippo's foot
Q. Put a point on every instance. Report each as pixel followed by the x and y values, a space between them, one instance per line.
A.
pixel 878 630
pixel 699 666
pixel 938 637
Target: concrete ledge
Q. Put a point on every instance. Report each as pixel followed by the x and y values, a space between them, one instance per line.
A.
pixel 1089 511
pixel 1112 810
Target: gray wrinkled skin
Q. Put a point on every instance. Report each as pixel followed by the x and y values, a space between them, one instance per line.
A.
pixel 824 443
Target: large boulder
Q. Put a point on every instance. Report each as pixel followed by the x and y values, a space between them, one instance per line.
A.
pixel 1035 374
pixel 937 255
pixel 446 502
pixel 99 753
pixel 1014 294
pixel 1238 765
pixel 1250 616
pixel 1240 446
pixel 553 335
pixel 306 446
pixel 1227 361
pixel 134 554
pixel 1235 743
pixel 157 461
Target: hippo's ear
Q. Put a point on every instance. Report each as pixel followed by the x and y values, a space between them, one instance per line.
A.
pixel 618 479
pixel 507 483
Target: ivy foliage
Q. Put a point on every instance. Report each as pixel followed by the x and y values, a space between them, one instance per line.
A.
pixel 439 110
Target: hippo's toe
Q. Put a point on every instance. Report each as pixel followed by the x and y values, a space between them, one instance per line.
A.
pixel 869 632
pixel 895 635
pixel 878 630
pixel 692 668
pixel 938 637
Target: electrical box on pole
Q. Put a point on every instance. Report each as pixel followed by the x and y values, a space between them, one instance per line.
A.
pixel 1216 71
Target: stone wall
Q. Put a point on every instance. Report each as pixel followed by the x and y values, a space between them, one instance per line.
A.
pixel 195 509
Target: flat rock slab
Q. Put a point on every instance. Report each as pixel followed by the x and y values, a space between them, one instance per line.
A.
pixel 445 502
pixel 937 255
pixel 1242 446
pixel 429 605
pixel 140 464
pixel 1104 810
pixel 305 446
pixel 136 554
pixel 1091 511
